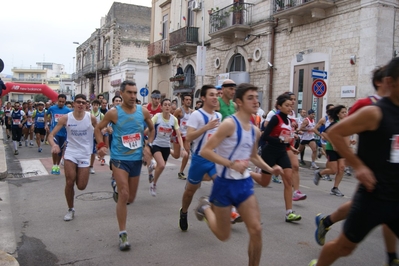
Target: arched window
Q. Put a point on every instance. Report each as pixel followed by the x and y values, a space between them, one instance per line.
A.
pixel 189 74
pixel 237 63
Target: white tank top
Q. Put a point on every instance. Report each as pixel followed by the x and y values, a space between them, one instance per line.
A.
pixel 29 119
pixel 183 122
pixel 164 129
pixel 236 148
pixel 79 136
pixel 308 134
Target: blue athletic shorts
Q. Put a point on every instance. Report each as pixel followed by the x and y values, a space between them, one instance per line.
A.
pixel 133 168
pixel 198 168
pixel 60 141
pixel 226 192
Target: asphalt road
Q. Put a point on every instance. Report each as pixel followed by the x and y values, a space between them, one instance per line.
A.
pixel 37 205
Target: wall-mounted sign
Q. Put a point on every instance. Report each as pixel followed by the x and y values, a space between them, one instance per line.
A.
pixel 116 82
pixel 348 91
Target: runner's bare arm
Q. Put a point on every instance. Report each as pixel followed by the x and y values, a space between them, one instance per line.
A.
pixel 150 125
pixel 321 122
pixel 110 117
pixel 61 123
pixel 93 121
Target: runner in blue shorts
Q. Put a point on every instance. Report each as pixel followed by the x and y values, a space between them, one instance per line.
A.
pixel 231 148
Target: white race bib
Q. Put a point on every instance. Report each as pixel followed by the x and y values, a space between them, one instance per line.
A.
pixel 132 141
pixel 56 117
pixel 395 149
pixel 40 119
pixel 16 121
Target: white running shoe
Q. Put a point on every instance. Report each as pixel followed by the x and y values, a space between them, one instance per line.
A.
pixel 153 190
pixel 70 215
pixel 92 170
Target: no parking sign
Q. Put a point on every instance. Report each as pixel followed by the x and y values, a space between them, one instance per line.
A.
pixel 319 88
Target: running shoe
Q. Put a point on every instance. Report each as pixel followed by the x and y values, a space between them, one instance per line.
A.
pixel 319 154
pixel 92 170
pixel 115 190
pixel 327 178
pixel 54 170
pixel 348 171
pixel 153 189
pixel 302 163
pixel 102 162
pixel 70 215
pixel 298 196
pixel 123 242
pixel 26 143
pixel 46 142
pixel 314 166
pixel 152 165
pixel 321 230
pixel 181 176
pixel 336 192
pixel 39 150
pixel 31 144
pixel 150 178
pixel 57 170
pixel 20 144
pixel 16 152
pixel 316 178
pixel 275 179
pixel 235 217
pixel 183 224
pixel 199 211
pixel 313 263
pixel 292 217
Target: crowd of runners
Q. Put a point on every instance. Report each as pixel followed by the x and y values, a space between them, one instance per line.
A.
pixel 230 140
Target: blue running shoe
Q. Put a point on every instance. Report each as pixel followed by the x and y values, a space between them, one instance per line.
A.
pixel 321 230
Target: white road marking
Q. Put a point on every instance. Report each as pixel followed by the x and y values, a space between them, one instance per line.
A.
pixel 33 168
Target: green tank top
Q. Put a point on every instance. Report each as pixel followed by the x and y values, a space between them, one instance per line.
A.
pixel 329 146
pixel 225 109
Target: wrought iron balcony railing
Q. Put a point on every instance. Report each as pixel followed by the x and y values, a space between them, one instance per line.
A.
pixel 158 48
pixel 234 14
pixel 183 35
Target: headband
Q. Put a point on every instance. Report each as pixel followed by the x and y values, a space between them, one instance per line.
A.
pixel 229 85
pixel 156 96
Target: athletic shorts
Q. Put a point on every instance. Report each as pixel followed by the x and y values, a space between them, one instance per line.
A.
pixel 16 133
pixel 226 192
pixel 40 131
pixel 60 141
pixel 306 142
pixel 333 156
pixel 133 168
pixel 275 157
pixel 81 162
pixel 367 212
pixel 27 126
pixel 198 168
pixel 94 146
pixel 164 151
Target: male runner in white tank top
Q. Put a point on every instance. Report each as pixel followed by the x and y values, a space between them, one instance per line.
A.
pixel 183 114
pixel 80 128
pixel 235 142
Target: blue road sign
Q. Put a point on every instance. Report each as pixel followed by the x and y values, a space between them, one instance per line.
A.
pixel 319 74
pixel 144 92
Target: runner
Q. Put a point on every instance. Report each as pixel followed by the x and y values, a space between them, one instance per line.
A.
pixel 164 123
pixel 335 163
pixel 320 127
pixel 128 121
pixel 79 126
pixel 235 142
pixel 307 138
pixel 7 119
pixel 39 117
pixel 376 200
pixel 202 124
pixel 18 118
pixel 183 114
pixel 278 135
pixel 99 116
pixel 54 113
pixel 28 128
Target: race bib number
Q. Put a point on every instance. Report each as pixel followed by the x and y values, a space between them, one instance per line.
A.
pixel 29 121
pixel 165 130
pixel 16 121
pixel 286 136
pixel 40 119
pixel 395 149
pixel 132 141
pixel 8 114
pixel 57 116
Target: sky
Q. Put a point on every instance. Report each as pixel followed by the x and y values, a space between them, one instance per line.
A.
pixel 44 31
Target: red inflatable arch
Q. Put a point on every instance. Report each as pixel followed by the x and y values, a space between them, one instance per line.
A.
pixel 30 88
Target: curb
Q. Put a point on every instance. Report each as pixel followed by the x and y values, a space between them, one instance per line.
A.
pixel 3 163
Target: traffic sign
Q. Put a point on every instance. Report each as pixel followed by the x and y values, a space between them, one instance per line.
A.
pixel 144 92
pixel 319 88
pixel 319 74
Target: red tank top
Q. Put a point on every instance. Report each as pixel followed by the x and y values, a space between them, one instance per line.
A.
pixel 153 112
pixel 281 126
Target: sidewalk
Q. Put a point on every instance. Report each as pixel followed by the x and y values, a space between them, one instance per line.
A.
pixel 8 243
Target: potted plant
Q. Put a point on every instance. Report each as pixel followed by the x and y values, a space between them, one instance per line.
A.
pixel 237 10
pixel 218 18
pixel 279 4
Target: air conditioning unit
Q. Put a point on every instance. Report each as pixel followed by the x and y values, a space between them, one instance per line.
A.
pixel 196 5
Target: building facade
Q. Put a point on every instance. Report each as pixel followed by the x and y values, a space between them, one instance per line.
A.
pixel 114 52
pixel 276 45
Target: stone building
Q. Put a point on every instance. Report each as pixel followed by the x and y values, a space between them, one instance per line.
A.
pixel 276 45
pixel 115 52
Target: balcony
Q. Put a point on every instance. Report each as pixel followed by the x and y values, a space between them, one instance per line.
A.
pixel 184 40
pixel 296 11
pixel 103 66
pixel 28 80
pixel 158 51
pixel 231 21
pixel 89 71
pixel 184 86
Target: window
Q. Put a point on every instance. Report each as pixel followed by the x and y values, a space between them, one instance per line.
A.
pixel 38 76
pixel 20 98
pixel 190 14
pixel 237 64
pixel 165 30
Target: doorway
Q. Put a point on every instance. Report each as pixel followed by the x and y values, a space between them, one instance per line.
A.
pixel 303 89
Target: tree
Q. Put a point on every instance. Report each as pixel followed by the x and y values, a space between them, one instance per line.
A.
pixel 40 98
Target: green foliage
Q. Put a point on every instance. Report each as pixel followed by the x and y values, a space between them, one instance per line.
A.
pixel 40 98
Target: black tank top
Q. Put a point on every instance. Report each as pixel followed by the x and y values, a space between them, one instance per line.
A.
pixel 379 150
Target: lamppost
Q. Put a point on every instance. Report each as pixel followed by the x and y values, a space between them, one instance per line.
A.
pixel 81 65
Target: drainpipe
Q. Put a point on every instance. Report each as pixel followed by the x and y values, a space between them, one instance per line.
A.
pixel 271 71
